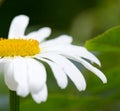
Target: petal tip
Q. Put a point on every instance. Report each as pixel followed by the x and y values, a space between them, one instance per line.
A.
pixel 18 26
pixel 46 30
pixel 104 80
pixel 82 87
pixel 22 16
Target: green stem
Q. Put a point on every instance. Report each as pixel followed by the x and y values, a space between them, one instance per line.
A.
pixel 14 101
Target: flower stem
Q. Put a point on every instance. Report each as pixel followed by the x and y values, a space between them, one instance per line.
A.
pixel 14 101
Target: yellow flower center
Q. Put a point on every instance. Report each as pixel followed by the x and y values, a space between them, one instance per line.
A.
pixel 18 47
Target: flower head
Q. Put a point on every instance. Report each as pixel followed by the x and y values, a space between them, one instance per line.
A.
pixel 21 56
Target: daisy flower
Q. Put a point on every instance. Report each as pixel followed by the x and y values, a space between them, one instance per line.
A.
pixel 21 58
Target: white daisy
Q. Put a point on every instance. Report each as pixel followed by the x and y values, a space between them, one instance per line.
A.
pixel 21 56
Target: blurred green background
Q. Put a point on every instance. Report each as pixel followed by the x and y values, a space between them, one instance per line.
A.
pixel 82 19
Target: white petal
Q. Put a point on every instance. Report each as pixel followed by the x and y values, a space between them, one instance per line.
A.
pixel 8 75
pixel 71 50
pixel 84 53
pixel 40 35
pixel 69 68
pixel 58 73
pixel 18 26
pixel 93 69
pixel 63 39
pixel 41 96
pixel 21 76
pixel 36 75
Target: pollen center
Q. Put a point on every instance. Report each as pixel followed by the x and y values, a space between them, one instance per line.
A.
pixel 18 47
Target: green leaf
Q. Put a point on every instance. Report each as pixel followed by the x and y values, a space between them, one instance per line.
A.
pixel 106 42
